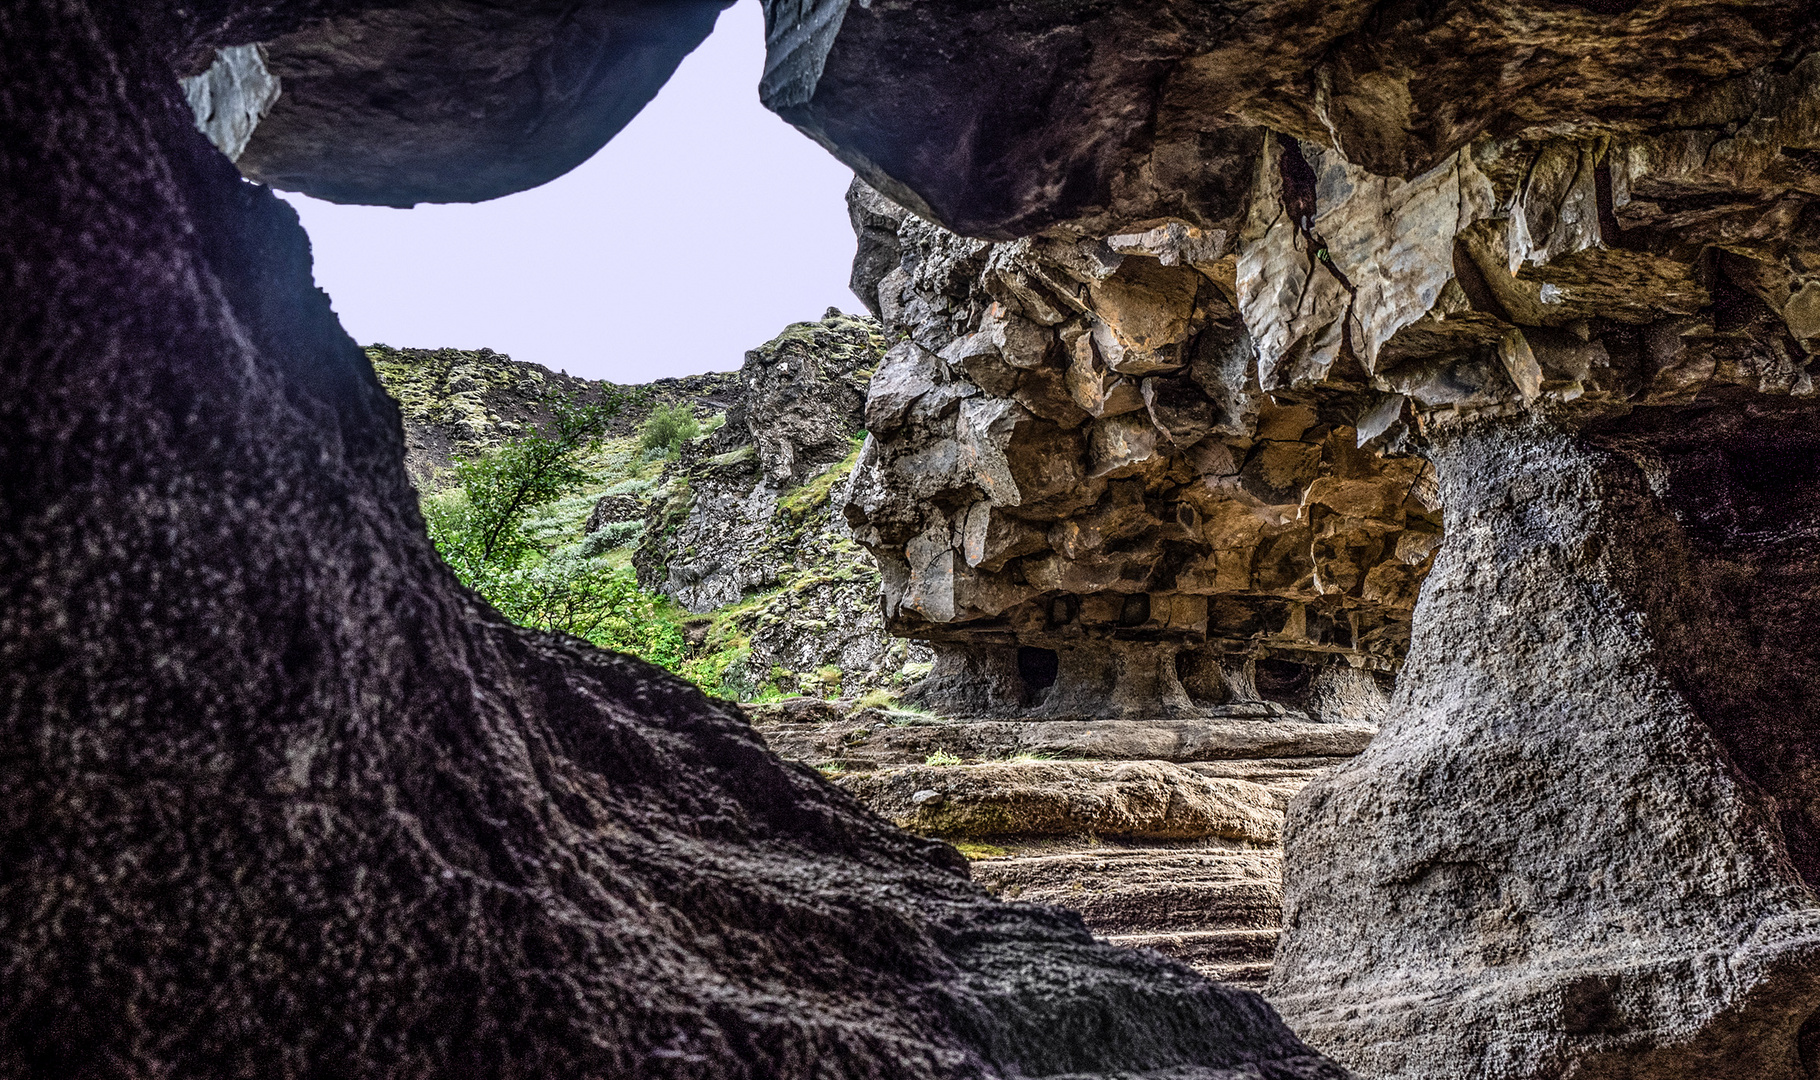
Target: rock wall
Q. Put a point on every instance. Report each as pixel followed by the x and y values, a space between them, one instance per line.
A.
pixel 283 800
pixel 1077 488
pixel 745 519
pixel 1566 252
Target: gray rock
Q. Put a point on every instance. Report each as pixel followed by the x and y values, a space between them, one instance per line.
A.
pixel 459 100
pixel 1590 811
pixel 1569 253
pixel 231 97
pixel 1141 799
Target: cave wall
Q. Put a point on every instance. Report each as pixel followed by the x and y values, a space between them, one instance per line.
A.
pixel 1565 253
pixel 1070 452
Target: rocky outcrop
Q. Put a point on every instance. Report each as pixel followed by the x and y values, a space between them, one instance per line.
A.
pixel 744 520
pixel 1004 121
pixel 1566 252
pixel 1076 488
pixel 458 403
pixel 460 100
pixel 1610 696
pixel 283 800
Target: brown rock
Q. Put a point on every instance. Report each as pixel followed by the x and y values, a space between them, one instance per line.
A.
pixel 1149 799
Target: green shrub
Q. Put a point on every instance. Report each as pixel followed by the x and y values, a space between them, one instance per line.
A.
pixel 666 429
pixel 482 530
pixel 575 595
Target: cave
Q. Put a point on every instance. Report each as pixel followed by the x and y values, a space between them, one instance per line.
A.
pixel 281 797
pixel 1244 364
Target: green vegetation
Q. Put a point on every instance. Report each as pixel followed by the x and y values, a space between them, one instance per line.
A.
pixel 973 850
pixel 488 529
pixel 941 757
pixel 814 495
pixel 877 699
pixel 667 428
pixel 507 498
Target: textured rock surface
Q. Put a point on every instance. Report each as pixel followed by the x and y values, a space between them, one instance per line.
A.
pixel 1565 250
pixel 232 97
pixel 1070 457
pixel 1121 114
pixel 1143 800
pixel 461 100
pixel 456 403
pixel 1162 835
pixel 745 520
pixel 283 801
pixel 1611 693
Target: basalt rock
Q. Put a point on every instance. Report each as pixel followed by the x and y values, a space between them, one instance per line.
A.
pixel 283 800
pixel 1076 490
pixel 1565 251
pixel 460 100
pixel 1005 120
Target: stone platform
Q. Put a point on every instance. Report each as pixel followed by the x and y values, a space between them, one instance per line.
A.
pixel 1162 834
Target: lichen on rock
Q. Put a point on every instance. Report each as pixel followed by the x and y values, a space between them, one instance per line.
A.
pixel 745 523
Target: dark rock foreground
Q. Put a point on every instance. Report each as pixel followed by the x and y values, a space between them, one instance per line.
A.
pixel 281 800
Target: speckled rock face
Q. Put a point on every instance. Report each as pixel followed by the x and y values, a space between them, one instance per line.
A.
pixel 282 800
pixel 746 521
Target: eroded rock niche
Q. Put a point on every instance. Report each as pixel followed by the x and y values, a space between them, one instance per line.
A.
pixel 1076 488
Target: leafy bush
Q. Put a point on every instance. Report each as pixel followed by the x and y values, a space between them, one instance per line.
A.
pixel 667 428
pixel 481 532
pixel 590 600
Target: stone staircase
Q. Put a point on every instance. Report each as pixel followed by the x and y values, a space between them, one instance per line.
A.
pixel 1162 834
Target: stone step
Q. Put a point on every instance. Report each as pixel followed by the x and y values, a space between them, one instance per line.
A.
pixel 1241 956
pixel 1148 891
pixel 1128 799
pixel 858 742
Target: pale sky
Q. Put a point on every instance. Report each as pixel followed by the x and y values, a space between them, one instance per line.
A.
pixel 699 232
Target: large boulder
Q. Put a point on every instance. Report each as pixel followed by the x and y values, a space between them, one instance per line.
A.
pixel 460 100
pixel 1592 816
pixel 283 800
